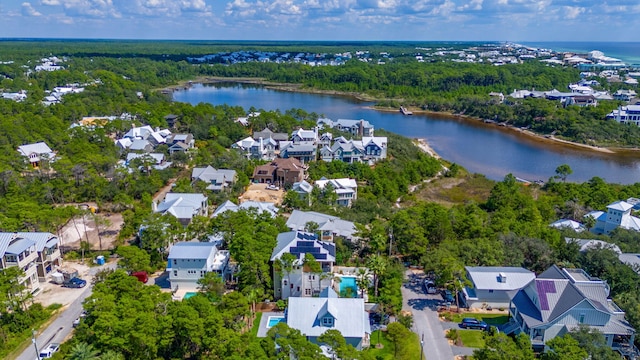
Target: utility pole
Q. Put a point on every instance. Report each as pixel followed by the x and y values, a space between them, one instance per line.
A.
pixel 35 345
pixel 422 347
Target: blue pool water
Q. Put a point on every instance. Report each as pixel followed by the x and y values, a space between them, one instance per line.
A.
pixel 274 320
pixel 190 294
pixel 348 282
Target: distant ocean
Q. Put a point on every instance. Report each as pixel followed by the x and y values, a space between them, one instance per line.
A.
pixel 629 52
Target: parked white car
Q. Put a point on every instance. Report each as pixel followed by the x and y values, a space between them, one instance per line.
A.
pixel 49 350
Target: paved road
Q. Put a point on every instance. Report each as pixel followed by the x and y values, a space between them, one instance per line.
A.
pixel 425 318
pixel 62 326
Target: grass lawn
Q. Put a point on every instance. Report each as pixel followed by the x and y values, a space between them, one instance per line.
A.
pixel 387 352
pixel 472 338
pixel 256 325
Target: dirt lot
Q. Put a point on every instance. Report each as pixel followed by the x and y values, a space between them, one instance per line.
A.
pixel 259 192
pixel 84 227
pixel 52 293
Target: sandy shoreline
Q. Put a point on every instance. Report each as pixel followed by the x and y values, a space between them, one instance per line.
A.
pixel 424 146
pixel 299 88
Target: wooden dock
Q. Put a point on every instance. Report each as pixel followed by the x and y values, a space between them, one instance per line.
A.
pixel 404 111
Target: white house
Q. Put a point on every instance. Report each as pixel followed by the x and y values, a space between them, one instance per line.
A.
pixel 183 206
pixel 260 207
pixel 345 188
pixel 36 152
pixel 190 261
pixel 629 114
pixel 618 215
pixel 298 282
pixel 490 286
pixel 568 224
pixel 314 316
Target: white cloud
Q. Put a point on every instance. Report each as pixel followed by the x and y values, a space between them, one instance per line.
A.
pixel 28 10
pixel 572 12
pixel 51 2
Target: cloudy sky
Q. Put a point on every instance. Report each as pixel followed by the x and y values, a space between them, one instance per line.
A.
pixel 509 20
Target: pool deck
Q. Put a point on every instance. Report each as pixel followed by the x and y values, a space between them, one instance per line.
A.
pixel 264 321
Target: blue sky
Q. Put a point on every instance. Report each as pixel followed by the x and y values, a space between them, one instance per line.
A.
pixel 509 20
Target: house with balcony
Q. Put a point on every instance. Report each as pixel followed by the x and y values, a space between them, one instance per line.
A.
pixel 329 227
pixel 299 281
pixel 302 135
pixel 624 95
pixel 36 153
pixel 183 206
pixel 375 148
pixel 346 189
pixel 48 248
pixel 20 251
pixel 618 215
pixel 260 149
pixel 358 128
pixel 282 172
pixel 560 300
pixel 629 114
pixel 190 261
pixel 349 151
pixel 313 316
pixel 304 151
pixel 180 142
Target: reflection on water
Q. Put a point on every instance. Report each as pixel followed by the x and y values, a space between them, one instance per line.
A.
pixel 486 149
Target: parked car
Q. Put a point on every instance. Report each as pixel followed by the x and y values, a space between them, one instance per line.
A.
pixel 471 323
pixel 49 350
pixel 75 283
pixel 430 287
pixel 142 276
pixel 448 296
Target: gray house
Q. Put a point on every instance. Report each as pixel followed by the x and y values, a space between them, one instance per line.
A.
pixel 560 300
pixel 490 286
pixel 315 315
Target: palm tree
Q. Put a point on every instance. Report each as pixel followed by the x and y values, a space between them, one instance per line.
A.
pixel 284 266
pixel 378 265
pixel 83 351
pixel 362 280
pixel 111 355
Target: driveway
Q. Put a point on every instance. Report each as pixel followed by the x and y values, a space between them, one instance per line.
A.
pixel 425 318
pixel 62 325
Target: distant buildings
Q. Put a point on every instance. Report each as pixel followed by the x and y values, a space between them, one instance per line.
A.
pixel 618 215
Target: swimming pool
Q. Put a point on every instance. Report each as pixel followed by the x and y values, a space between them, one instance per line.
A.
pixel 274 320
pixel 189 294
pixel 348 282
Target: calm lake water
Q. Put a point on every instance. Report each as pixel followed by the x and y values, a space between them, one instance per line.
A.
pixel 486 149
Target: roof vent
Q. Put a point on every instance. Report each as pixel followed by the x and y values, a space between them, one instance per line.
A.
pixel 502 278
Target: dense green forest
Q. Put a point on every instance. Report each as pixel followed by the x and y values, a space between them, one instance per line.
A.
pixel 507 225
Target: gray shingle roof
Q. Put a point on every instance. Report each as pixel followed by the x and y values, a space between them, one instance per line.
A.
pixel 299 219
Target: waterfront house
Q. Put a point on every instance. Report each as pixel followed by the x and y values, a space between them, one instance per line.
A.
pixel 217 179
pixel 629 114
pixel 375 148
pixel 302 135
pixel 36 152
pixel 618 215
pixel 190 261
pixel 349 151
pixel 314 316
pixel 183 206
pixel 358 128
pixel 299 282
pixel 490 286
pixel 329 226
pixel 560 300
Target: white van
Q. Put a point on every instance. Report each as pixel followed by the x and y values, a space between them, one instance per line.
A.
pixel 49 350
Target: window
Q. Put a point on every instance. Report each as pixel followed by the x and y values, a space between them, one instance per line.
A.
pixel 581 321
pixel 175 272
pixel 307 292
pixel 175 262
pixel 490 291
pixel 284 282
pixel 327 321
